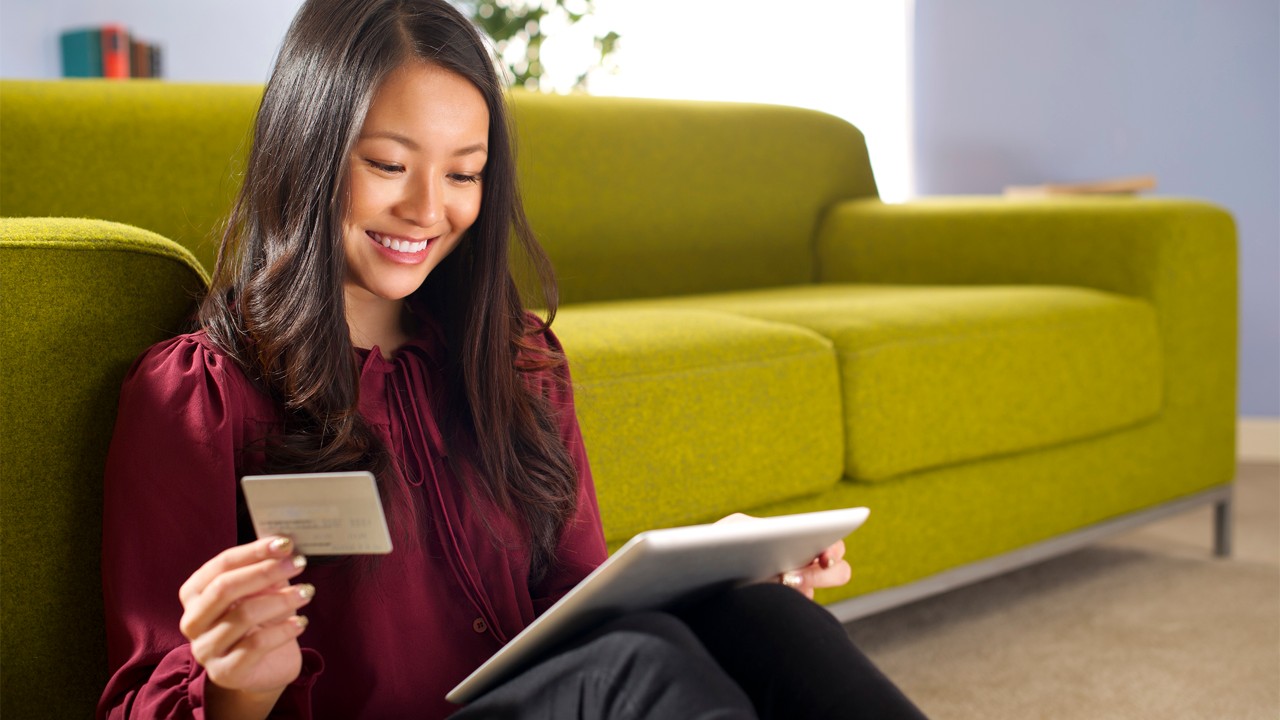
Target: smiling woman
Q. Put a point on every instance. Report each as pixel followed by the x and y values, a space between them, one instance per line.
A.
pixel 363 316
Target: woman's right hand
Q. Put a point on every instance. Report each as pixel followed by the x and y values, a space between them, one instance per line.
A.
pixel 239 612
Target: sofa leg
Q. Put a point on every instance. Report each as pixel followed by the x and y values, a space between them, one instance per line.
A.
pixel 1222 527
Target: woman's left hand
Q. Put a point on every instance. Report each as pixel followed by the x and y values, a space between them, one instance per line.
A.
pixel 829 569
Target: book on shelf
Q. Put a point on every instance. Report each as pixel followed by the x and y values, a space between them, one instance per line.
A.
pixel 81 53
pixel 108 51
pixel 115 52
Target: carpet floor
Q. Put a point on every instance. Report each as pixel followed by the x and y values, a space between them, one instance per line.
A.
pixel 1146 625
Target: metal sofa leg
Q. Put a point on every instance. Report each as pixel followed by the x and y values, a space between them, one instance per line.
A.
pixel 1222 527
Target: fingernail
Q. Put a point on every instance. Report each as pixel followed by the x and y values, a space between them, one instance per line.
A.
pixel 300 621
pixel 280 544
pixel 306 591
pixel 297 562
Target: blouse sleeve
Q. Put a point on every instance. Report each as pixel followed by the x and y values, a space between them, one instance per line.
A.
pixel 582 546
pixel 169 506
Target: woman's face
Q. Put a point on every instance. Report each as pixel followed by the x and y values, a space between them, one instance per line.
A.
pixel 415 180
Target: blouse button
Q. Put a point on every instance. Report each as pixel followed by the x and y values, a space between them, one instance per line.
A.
pixel 479 625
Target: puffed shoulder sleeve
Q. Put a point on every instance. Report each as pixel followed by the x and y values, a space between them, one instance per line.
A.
pixel 582 546
pixel 169 506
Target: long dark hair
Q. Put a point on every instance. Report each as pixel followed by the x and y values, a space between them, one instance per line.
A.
pixel 276 304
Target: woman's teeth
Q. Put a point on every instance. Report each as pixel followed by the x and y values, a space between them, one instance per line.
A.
pixel 403 246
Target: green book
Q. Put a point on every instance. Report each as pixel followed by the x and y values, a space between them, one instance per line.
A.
pixel 82 53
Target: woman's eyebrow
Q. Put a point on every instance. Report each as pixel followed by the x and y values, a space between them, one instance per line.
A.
pixel 402 139
pixel 412 145
pixel 470 149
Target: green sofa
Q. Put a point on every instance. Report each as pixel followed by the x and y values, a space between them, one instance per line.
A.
pixel 749 329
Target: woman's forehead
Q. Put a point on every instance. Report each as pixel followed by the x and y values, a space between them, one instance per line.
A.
pixel 425 104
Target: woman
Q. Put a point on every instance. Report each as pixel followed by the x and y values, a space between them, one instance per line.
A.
pixel 363 316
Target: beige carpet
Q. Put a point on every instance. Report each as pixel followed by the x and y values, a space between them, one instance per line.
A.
pixel 1148 625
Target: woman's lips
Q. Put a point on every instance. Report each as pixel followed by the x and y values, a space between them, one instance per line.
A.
pixel 400 249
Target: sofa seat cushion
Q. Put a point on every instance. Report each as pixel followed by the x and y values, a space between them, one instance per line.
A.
pixel 938 375
pixel 689 415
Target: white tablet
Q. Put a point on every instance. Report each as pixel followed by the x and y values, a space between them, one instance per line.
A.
pixel 658 567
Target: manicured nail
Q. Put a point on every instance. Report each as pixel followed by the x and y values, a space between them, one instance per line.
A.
pixel 300 621
pixel 306 591
pixel 280 544
pixel 299 561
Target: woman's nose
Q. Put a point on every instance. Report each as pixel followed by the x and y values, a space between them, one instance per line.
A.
pixel 423 202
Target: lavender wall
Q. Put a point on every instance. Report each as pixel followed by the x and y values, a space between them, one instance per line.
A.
pixel 1015 92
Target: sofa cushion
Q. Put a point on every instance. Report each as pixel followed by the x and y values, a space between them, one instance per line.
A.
pixel 690 415
pixel 939 375
pixel 646 198
pixel 156 155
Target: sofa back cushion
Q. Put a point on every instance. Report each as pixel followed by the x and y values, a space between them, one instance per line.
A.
pixel 641 198
pixel 632 198
pixel 161 156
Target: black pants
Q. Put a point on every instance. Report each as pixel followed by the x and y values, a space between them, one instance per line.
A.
pixel 760 651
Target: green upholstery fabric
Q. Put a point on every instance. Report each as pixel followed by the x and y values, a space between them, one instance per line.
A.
pixel 932 376
pixel 157 155
pixel 928 522
pixel 644 198
pixel 80 300
pixel 651 382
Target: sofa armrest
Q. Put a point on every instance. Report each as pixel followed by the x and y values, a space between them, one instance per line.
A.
pixel 1179 255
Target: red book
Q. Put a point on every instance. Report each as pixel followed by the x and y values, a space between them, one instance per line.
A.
pixel 115 51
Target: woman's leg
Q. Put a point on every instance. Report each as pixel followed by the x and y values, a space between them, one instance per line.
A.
pixel 792 657
pixel 644 665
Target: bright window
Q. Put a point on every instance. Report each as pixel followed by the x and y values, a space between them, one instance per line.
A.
pixel 849 58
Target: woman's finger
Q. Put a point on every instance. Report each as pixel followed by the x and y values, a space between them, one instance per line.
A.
pixel 834 575
pixel 205 608
pixel 265 548
pixel 832 555
pixel 247 617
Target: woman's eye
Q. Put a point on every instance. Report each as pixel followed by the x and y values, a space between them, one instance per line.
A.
pixel 465 178
pixel 391 168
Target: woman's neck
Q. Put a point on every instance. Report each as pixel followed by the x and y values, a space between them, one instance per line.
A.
pixel 374 321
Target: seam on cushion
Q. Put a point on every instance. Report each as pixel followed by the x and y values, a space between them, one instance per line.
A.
pixel 956 338
pixel 699 370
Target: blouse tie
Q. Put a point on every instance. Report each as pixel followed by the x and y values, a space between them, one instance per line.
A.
pixel 410 392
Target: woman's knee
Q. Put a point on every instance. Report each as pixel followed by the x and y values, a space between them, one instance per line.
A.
pixel 653 660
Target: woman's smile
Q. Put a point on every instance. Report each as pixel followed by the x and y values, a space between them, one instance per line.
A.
pixel 402 249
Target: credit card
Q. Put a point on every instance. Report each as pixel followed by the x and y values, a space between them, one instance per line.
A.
pixel 335 513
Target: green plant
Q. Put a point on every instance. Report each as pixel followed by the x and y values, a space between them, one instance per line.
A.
pixel 519 28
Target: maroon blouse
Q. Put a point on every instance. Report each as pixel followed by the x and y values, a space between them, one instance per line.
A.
pixel 386 640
